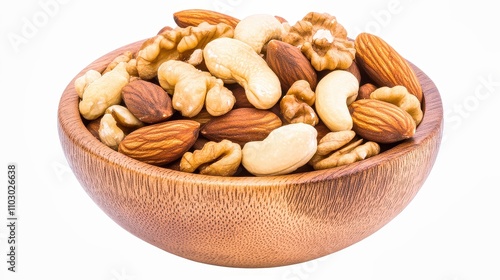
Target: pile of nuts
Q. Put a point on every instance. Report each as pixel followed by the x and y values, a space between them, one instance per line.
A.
pixel 258 96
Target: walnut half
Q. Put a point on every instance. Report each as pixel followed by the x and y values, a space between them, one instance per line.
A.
pixel 323 41
pixel 215 158
pixel 179 44
pixel 295 106
pixel 342 148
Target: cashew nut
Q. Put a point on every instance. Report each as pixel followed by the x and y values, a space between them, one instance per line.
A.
pixel 104 92
pixel 231 59
pixel 283 151
pixel 256 30
pixel 334 93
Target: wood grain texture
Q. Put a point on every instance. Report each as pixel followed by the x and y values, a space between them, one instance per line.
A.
pixel 248 221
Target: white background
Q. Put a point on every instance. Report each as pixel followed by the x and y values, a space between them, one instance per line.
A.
pixel 450 231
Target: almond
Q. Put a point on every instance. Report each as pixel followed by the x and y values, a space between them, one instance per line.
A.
pixel 289 64
pixel 93 127
pixel 164 29
pixel 365 90
pixel 161 143
pixel 147 101
pixel 193 17
pixel 240 96
pixel 354 69
pixel 384 65
pixel 281 19
pixel 380 121
pixel 241 125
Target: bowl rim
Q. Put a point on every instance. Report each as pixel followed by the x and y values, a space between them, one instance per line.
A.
pixel 71 125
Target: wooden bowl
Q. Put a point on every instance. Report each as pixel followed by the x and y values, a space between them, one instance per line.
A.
pixel 250 221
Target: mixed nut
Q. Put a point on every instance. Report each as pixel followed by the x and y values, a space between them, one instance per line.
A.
pixel 258 96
